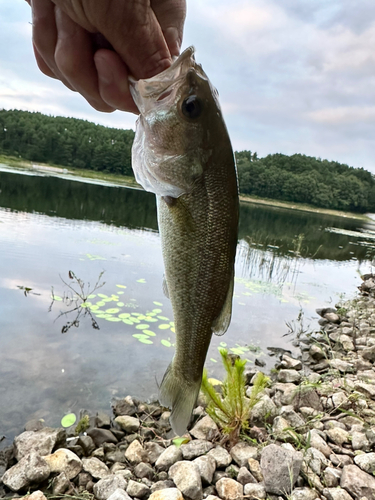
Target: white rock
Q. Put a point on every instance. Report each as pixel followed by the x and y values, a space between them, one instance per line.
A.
pixel 41 442
pixel 127 423
pixel 187 478
pixel 229 489
pixel 169 494
pixel 64 460
pixel 366 462
pixel 255 490
pixel 170 456
pixel 205 428
pixel 104 488
pixel 95 467
pixel 241 452
pixel 119 494
pixel 221 456
pixel 135 453
pixel 207 466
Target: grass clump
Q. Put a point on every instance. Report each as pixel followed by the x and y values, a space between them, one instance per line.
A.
pixel 231 409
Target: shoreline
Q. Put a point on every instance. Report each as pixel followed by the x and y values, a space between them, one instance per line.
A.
pixel 124 181
pixel 310 435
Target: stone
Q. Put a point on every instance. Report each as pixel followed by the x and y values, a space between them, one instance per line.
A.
pixel 116 456
pixel 41 442
pixel 245 477
pixel 316 441
pixel 303 494
pixel 207 466
pixel 170 456
pixel 255 469
pixel 368 353
pixel 332 317
pixel 280 468
pixel 255 490
pixel 100 436
pixel 64 460
pixel 135 453
pixel 187 478
pixel 288 376
pixel 340 460
pixel 357 482
pixel 154 451
pixel 309 398
pixel 336 494
pixel 241 452
pixel 119 494
pixel 167 494
pixel 95 467
pixel 315 460
pixel 229 489
pixel 295 420
pixel 221 456
pixel 162 485
pixel 360 441
pixel 291 363
pixel 144 470
pixel 204 428
pixel 332 477
pixel 105 487
pixel 87 444
pixel 138 490
pixel 61 484
pixel 316 352
pixel 211 497
pixel 103 420
pixel 124 406
pixel 263 408
pixel 195 448
pixel 341 365
pixel 339 399
pixel 127 423
pixel 34 424
pixel 278 429
pixel 338 436
pixel 30 469
pixel 36 495
pixel 366 389
pixel 366 462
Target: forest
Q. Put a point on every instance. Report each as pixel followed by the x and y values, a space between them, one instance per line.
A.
pixel 70 142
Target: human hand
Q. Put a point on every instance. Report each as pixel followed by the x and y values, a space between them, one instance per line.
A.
pixel 93 45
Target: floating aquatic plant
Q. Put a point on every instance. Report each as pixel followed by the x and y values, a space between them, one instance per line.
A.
pixel 231 409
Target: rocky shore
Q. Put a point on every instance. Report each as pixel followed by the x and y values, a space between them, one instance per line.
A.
pixel 311 435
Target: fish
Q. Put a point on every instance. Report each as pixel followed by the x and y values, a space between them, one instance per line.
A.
pixel 182 153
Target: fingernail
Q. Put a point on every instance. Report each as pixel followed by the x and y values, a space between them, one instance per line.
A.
pixel 105 74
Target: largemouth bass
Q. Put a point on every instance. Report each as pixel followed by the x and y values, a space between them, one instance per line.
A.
pixel 183 154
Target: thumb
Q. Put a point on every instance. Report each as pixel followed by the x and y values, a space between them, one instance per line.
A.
pixel 171 16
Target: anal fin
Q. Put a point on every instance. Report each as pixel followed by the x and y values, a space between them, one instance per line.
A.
pixel 221 323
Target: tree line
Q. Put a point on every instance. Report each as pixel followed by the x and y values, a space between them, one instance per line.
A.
pixel 68 142
pixel 81 144
pixel 305 179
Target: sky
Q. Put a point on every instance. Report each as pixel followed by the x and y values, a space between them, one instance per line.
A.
pixel 294 76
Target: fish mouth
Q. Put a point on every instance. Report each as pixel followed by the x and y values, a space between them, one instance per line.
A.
pixel 153 92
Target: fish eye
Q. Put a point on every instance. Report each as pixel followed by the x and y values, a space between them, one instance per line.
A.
pixel 192 107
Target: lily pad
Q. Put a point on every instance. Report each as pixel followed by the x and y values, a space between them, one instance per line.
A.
pixel 124 315
pixel 113 310
pixel 142 280
pixel 142 326
pixel 157 303
pixel 127 322
pixel 113 318
pixel 149 333
pixel 120 304
pixel 164 326
pixel 163 318
pixel 157 311
pixel 166 343
pixel 121 286
pixel 68 420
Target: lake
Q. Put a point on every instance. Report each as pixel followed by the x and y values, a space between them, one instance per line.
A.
pixel 60 238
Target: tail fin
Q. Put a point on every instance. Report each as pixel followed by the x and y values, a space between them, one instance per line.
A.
pixel 180 395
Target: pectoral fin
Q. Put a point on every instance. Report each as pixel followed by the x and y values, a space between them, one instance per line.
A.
pixel 221 323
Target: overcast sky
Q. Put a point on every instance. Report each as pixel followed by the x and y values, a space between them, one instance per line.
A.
pixel 294 76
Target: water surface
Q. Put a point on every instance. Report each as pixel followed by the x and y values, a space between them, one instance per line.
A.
pixel 49 226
